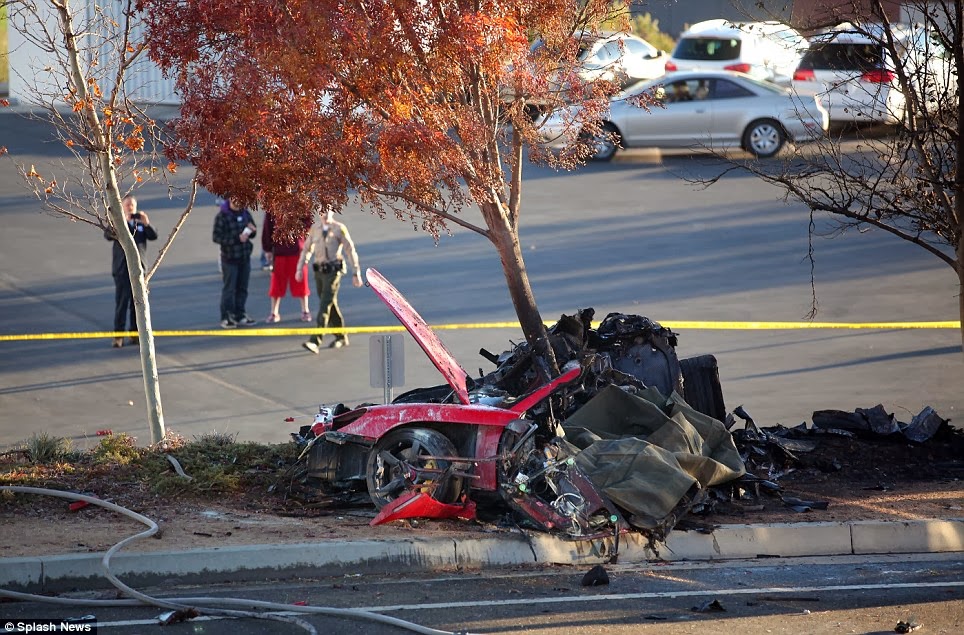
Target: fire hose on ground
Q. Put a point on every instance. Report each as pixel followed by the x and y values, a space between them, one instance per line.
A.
pixel 193 606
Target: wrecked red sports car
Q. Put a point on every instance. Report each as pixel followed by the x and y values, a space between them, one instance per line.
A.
pixel 440 459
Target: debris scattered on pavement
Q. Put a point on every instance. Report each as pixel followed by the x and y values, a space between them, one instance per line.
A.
pixel 907 627
pixel 181 615
pixel 597 576
pixel 710 606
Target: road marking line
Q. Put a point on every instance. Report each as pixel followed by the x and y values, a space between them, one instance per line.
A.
pixel 663 594
pixel 582 598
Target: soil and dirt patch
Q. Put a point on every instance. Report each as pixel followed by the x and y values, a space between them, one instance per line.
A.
pixel 241 493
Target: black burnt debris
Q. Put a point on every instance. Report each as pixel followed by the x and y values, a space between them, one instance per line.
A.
pixel 629 425
pixel 865 445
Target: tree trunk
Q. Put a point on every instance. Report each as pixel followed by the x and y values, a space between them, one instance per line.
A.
pixel 506 241
pixel 139 290
pixel 105 157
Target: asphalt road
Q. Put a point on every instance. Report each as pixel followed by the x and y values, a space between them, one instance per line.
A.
pixel 779 596
pixel 631 236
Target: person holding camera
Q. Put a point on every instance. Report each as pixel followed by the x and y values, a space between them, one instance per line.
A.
pixel 329 244
pixel 139 225
pixel 234 230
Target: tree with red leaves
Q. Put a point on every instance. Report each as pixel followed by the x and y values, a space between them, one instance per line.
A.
pixel 419 109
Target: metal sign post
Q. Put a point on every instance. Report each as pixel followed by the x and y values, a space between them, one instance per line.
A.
pixel 386 362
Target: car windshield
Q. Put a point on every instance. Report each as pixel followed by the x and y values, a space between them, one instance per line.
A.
pixel 840 56
pixel 707 48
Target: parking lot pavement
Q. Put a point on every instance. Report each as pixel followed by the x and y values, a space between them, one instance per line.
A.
pixel 632 237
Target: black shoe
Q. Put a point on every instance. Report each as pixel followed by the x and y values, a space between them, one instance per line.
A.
pixel 246 321
pixel 229 324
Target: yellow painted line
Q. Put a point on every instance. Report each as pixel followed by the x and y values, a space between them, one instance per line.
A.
pixel 283 332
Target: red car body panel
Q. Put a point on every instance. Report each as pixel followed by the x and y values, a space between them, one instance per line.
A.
pixel 454 374
pixel 421 505
pixel 490 421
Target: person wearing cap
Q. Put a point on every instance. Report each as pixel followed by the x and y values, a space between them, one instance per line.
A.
pixel 329 245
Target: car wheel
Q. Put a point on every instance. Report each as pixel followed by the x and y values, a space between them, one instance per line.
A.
pixel 701 385
pixel 606 143
pixel 403 461
pixel 763 138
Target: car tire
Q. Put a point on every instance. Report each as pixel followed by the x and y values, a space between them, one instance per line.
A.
pixel 408 445
pixel 606 143
pixel 763 138
pixel 701 386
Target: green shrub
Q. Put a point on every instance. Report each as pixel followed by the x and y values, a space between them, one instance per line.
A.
pixel 43 448
pixel 647 28
pixel 117 448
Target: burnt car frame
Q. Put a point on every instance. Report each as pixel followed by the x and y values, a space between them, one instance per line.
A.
pixel 442 451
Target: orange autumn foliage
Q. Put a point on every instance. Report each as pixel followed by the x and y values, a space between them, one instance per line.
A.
pixel 420 109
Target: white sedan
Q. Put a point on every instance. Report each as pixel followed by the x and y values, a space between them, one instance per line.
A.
pixel 698 109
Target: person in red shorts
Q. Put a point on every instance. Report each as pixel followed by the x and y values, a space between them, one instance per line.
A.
pixel 283 254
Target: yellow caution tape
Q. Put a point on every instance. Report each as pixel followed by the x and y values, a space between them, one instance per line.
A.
pixel 282 332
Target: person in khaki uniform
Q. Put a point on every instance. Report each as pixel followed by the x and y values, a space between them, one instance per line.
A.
pixel 330 245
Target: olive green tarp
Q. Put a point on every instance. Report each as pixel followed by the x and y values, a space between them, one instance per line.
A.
pixel 648 452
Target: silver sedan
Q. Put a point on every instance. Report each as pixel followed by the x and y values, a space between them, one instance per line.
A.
pixel 698 110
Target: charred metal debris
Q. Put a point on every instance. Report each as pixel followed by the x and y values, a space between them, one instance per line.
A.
pixel 776 453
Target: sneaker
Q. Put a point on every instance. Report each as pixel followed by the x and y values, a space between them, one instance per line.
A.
pixel 246 321
pixel 339 343
pixel 229 324
pixel 273 318
pixel 306 316
pixel 118 342
pixel 310 346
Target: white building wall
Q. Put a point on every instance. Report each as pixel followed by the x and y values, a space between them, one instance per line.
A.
pixel 37 74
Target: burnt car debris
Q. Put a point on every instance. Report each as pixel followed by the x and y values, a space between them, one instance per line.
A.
pixel 498 442
pixel 626 437
pixel 777 454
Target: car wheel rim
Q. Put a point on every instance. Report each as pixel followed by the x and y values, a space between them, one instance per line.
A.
pixel 764 139
pixel 604 145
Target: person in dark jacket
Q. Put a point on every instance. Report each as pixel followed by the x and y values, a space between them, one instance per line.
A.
pixel 234 230
pixel 139 225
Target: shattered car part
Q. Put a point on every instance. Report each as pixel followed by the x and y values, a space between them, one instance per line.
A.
pixel 626 350
pixel 877 422
pixel 552 493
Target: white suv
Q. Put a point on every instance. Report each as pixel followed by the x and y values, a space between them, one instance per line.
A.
pixel 763 50
pixel 853 74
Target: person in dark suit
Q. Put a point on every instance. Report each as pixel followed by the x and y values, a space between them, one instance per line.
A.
pixel 139 225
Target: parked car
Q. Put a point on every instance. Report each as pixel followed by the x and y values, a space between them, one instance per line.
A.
pixel 612 56
pixel 763 50
pixel 854 75
pixel 621 57
pixel 714 109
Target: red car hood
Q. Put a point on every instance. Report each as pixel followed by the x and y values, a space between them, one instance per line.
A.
pixel 422 332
